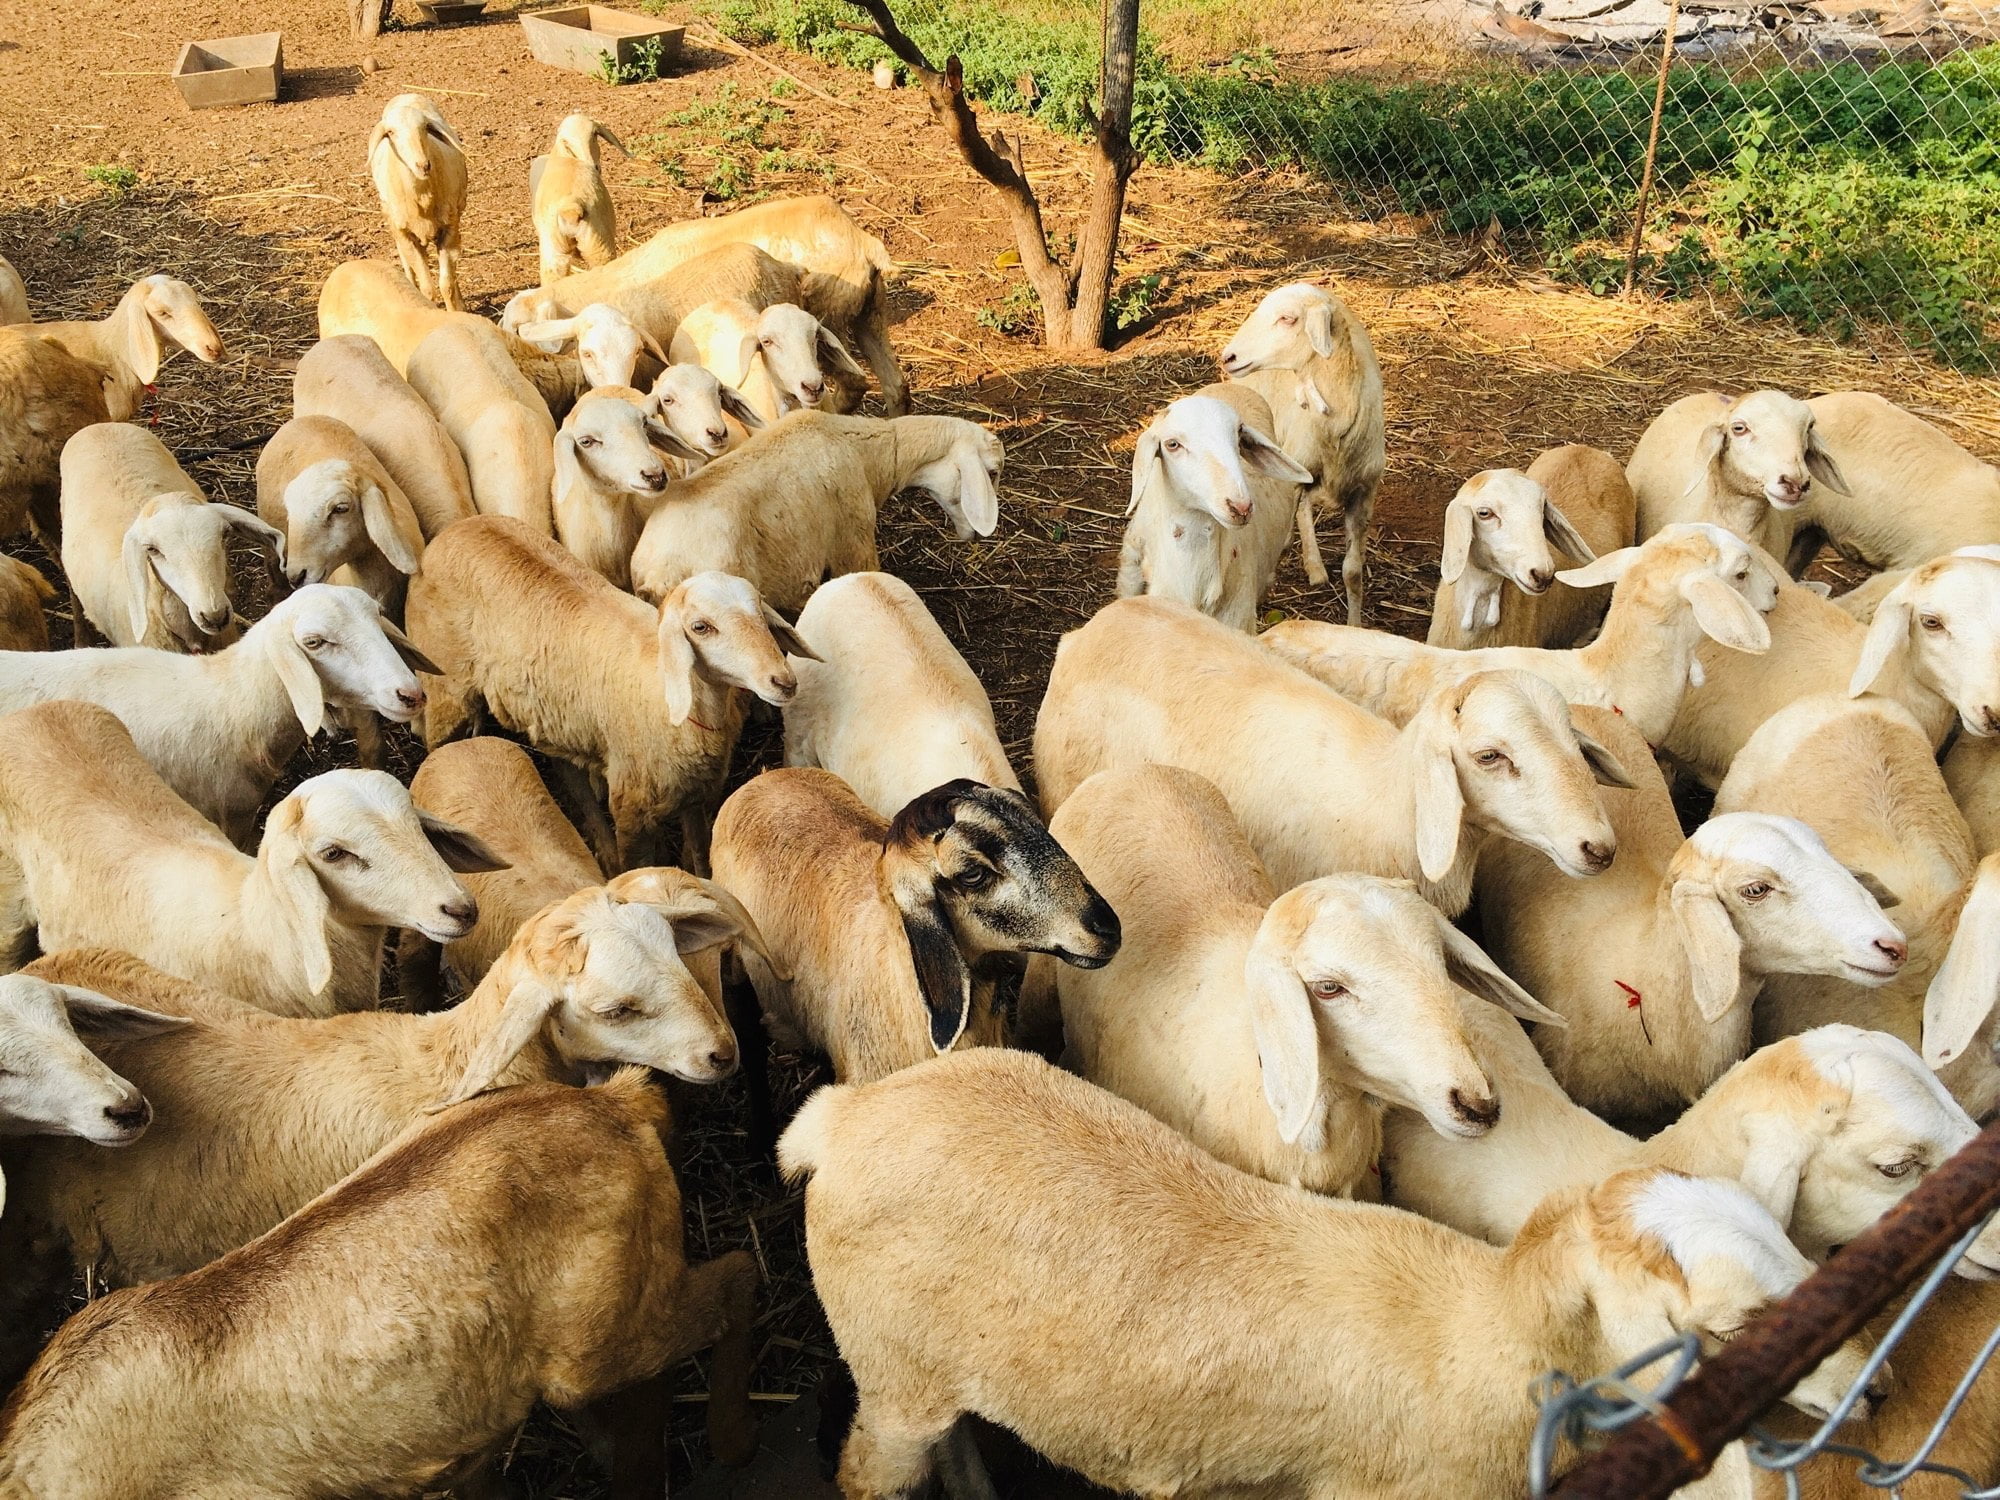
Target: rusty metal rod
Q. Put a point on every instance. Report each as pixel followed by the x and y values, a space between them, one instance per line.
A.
pixel 1652 145
pixel 1652 1458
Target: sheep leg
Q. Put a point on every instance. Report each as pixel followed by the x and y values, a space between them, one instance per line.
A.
pixel 1358 511
pixel 697 832
pixel 884 1457
pixel 367 731
pixel 960 1466
pixel 634 1423
pixel 729 1283
pixel 871 338
pixel 1309 556
pixel 746 1018
pixel 411 254
pixel 447 254
pixel 836 1399
pixel 449 709
pixel 1806 542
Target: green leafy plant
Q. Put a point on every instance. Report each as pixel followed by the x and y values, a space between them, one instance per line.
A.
pixel 723 147
pixel 648 62
pixel 1018 314
pixel 1133 302
pixel 114 177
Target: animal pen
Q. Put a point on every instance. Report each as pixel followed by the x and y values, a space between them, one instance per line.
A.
pixel 1553 216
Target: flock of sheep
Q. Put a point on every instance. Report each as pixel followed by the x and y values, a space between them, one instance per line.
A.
pixel 356 1245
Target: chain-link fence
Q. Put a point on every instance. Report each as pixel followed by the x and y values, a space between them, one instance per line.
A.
pixel 1835 163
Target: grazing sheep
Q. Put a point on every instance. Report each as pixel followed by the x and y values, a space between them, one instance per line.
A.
pixel 697 409
pixel 875 927
pixel 888 705
pixel 776 356
pixel 220 729
pixel 24 623
pixel 1201 529
pixel 13 295
pixel 990 1235
pixel 608 478
pixel 1686 585
pixel 1320 785
pixel 608 344
pixel 341 516
pixel 348 378
pixel 574 220
pixel 1571 507
pixel 1272 1031
pixel 418 165
pixel 47 395
pixel 1311 359
pixel 529 1246
pixel 146 554
pixel 647 700
pixel 127 345
pixel 1684 933
pixel 797 503
pixel 495 416
pixel 1745 462
pixel 99 850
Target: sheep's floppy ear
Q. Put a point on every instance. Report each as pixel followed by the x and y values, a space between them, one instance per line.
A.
pixel 652 346
pixel 676 658
pixel 603 133
pixel 1962 994
pixel 303 907
pixel 746 356
pixel 257 528
pixel 788 638
pixel 1457 551
pixel 569 467
pixel 832 351
pixel 142 342
pixel 1470 969
pixel 1281 1019
pixel 659 435
pixel 392 527
pixel 1146 467
pixel 1888 634
pixel 977 497
pixel 941 972
pixel 99 1018
pixel 1320 330
pixel 138 578
pixel 1820 464
pixel 1775 1161
pixel 736 405
pixel 523 1014
pixel 444 133
pixel 1708 449
pixel 1562 536
pixel 1262 455
pixel 406 648
pixel 1609 568
pixel 702 914
pixel 461 849
pixel 1882 895
pixel 1440 800
pixel 1723 614
pixel 301 682
pixel 1605 768
pixel 1714 951
pixel 557 331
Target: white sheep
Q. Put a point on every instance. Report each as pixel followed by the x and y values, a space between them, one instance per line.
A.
pixel 128 345
pixel 495 416
pixel 1745 462
pixel 1504 526
pixel 146 554
pixel 990 1235
pixel 1271 1030
pixel 608 478
pixel 797 503
pixel 1310 358
pixel 651 701
pixel 698 409
pixel 1213 501
pixel 417 163
pixel 608 343
pixel 1320 785
pixel 1687 585
pixel 1861 774
pixel 220 729
pixel 889 706
pixel 349 379
pixel 24 622
pixel 99 850
pixel 777 356
pixel 1683 935
pixel 575 223
pixel 343 519
pixel 47 395
pixel 13 295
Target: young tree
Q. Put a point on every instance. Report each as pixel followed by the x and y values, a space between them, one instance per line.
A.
pixel 1075 296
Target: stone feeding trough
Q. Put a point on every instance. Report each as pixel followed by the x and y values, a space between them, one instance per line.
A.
pixel 231 70
pixel 598 39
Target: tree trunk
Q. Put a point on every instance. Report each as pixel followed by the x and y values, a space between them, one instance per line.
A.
pixel 1096 261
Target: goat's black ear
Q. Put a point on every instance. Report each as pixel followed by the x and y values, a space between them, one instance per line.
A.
pixel 942 976
pixel 929 813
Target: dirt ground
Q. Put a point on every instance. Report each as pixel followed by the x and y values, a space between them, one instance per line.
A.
pixel 1485 363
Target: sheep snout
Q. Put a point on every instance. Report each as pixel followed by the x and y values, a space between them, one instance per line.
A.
pixel 1596 855
pixel 1475 1114
pixel 128 1119
pixel 1539 580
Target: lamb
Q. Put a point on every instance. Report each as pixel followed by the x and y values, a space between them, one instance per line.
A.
pixel 698 410
pixel 1200 529
pixel 875 927
pixel 1861 774
pixel 98 849
pixel 1271 1030
pixel 1828 1130
pixel 1684 935
pixel 545 1222
pixel 776 356
pixel 24 624
pixel 1687 584
pixel 558 655
pixel 220 729
pixel 841 270
pixel 888 706
pixel 146 554
pixel 13 295
pixel 1933 647
pixel 1169 1326
pixel 797 503
pixel 1747 463
pixel 495 416
pixel 608 343
pixel 417 162
pixel 574 219
pixel 1570 507
pixel 47 395
pixel 1311 359
pixel 127 345
pixel 339 514
pixel 348 378
pixel 1320 785
pixel 607 477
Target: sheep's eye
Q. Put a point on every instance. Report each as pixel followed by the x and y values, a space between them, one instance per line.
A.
pixel 1930 622
pixel 339 508
pixel 1485 515
pixel 314 642
pixel 701 627
pixel 973 878
pixel 1756 890
pixel 766 343
pixel 1739 429
pixel 666 400
pixel 1287 320
pixel 615 1010
pixel 587 442
pixel 1172 445
pixel 333 854
pixel 1489 758
pixel 1895 1169
pixel 1744 571
pixel 1326 989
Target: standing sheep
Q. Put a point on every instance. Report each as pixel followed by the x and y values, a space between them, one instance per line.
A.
pixel 574 220
pixel 418 164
